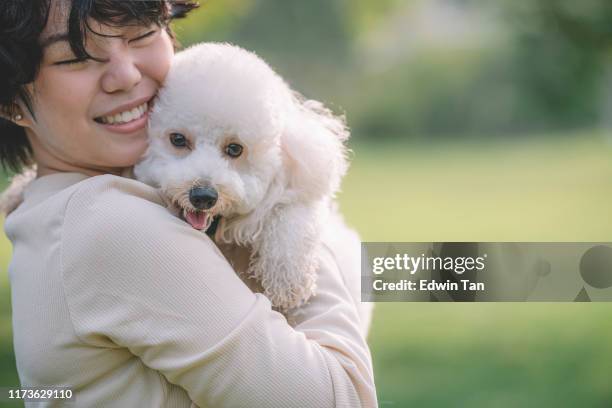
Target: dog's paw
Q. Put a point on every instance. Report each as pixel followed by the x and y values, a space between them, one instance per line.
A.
pixel 289 286
pixel 284 257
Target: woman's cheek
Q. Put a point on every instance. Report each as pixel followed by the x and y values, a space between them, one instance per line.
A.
pixel 160 56
pixel 61 104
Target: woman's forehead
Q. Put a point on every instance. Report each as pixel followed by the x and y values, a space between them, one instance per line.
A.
pixel 56 29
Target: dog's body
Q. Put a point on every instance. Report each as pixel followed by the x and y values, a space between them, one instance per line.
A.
pixel 230 139
pixel 276 195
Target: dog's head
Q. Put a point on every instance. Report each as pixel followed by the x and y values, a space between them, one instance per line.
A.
pixel 228 137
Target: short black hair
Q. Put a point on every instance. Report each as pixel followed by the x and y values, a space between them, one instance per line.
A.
pixel 21 24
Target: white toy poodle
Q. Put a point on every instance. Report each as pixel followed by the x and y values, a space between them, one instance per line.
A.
pixel 230 139
pixel 230 142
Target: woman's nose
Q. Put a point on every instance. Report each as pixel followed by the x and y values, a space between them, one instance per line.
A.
pixel 122 73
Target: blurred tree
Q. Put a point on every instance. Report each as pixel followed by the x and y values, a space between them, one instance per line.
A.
pixel 521 66
pixel 303 29
pixel 308 42
pixel 213 21
pixel 550 71
pixel 560 52
pixel 363 15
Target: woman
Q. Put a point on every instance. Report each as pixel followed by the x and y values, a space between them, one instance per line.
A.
pixel 113 297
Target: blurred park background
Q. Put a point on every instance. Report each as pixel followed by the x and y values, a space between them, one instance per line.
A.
pixel 472 120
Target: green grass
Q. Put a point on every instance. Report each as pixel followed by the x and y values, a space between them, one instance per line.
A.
pixel 545 189
pixel 474 355
pixel 487 355
pixel 492 355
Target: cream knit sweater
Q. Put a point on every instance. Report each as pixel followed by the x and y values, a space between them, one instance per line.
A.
pixel 128 306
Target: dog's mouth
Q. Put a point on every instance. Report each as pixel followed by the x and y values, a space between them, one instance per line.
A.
pixel 200 220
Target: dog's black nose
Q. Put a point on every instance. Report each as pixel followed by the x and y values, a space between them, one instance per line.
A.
pixel 203 198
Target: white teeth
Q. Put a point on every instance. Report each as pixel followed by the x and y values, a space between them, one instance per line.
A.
pixel 125 117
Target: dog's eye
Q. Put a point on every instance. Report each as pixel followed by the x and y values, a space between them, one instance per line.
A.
pixel 233 150
pixel 178 139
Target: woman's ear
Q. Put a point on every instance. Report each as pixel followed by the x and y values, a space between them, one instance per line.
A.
pixel 313 146
pixel 13 113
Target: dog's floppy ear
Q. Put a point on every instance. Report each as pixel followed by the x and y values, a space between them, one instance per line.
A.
pixel 313 146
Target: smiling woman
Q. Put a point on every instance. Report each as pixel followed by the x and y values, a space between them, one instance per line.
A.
pixel 83 80
pixel 113 296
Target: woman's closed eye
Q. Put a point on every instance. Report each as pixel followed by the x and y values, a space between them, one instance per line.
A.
pixel 142 37
pixel 67 57
pixel 73 61
pixel 138 40
pixel 79 61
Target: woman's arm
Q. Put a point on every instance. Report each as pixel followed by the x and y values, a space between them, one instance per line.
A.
pixel 138 276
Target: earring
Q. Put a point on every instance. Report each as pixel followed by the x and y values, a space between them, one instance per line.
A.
pixel 17 117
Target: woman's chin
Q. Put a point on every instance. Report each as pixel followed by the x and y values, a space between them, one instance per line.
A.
pixel 127 154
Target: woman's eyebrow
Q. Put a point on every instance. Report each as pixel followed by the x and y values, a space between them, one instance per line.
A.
pixel 53 38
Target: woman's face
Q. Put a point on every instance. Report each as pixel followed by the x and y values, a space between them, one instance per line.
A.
pixel 91 116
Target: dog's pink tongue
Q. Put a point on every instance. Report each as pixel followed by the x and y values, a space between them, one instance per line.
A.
pixel 196 219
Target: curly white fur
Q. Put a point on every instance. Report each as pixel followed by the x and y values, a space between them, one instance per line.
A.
pixel 275 197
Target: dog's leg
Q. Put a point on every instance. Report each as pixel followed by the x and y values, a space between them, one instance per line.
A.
pixel 284 258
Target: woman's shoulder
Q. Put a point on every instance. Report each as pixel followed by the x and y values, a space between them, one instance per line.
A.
pixel 59 189
pixel 69 202
pixel 113 219
pixel 114 202
pixel 113 225
pixel 118 194
pixel 51 203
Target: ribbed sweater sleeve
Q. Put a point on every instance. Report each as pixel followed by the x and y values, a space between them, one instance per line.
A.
pixel 136 277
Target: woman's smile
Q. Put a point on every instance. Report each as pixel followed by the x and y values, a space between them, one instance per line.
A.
pixel 127 118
